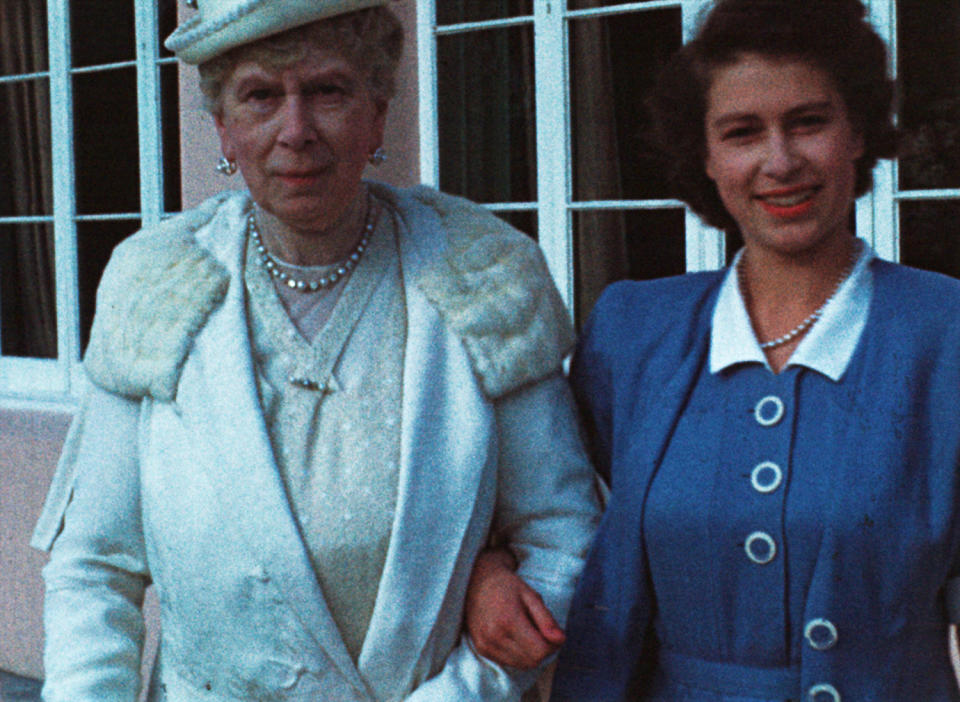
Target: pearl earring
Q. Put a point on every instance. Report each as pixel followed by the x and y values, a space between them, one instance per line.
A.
pixel 226 166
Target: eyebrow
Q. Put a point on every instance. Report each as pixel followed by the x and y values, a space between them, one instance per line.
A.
pixel 257 78
pixel 816 106
pixel 332 76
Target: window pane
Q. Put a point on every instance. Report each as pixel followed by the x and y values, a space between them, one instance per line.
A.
pixel 28 309
pixel 102 31
pixel 611 245
pixel 25 152
pixel 106 142
pixel 928 35
pixel 166 23
pixel 95 242
pixel 733 242
pixel 613 62
pixel 170 119
pixel 525 221
pixel 486 117
pixel 23 36
pixel 929 237
pixel 456 11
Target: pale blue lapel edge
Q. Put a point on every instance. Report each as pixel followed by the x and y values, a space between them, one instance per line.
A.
pixel 247 478
pixel 443 456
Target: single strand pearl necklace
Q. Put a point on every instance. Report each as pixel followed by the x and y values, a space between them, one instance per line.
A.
pixel 810 320
pixel 342 269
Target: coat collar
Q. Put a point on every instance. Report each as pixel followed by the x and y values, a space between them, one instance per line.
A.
pixel 489 283
pixel 827 348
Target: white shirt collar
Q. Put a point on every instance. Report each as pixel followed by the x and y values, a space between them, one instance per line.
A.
pixel 827 348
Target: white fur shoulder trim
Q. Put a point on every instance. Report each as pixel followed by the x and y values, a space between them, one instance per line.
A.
pixel 494 290
pixel 155 295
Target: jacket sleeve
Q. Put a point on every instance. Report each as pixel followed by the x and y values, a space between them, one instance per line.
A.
pixel 547 511
pixel 547 500
pixel 97 573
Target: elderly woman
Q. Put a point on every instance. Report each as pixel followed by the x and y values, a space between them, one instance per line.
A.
pixel 782 438
pixel 311 405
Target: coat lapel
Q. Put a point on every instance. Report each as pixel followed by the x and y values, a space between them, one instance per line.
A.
pixel 441 491
pixel 649 437
pixel 645 440
pixel 251 493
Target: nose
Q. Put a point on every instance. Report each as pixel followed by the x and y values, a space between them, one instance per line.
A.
pixel 782 157
pixel 296 125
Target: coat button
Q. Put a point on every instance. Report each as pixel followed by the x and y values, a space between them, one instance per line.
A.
pixel 821 634
pixel 768 411
pixel 766 477
pixel 760 547
pixel 824 692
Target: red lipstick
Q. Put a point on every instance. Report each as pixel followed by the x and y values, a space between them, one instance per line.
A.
pixel 773 201
pixel 787 212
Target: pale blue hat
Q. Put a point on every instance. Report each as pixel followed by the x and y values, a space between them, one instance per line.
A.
pixel 220 25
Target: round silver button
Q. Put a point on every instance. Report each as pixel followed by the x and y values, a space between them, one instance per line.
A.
pixel 824 692
pixel 821 634
pixel 766 477
pixel 760 547
pixel 768 411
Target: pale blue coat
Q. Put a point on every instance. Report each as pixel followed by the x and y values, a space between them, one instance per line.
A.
pixel 173 480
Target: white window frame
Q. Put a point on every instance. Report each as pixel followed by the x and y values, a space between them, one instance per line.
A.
pixel 59 382
pixel 876 213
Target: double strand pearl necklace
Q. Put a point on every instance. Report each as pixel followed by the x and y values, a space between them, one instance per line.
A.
pixel 811 319
pixel 343 268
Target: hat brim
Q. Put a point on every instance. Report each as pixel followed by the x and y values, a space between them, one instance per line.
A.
pixel 198 40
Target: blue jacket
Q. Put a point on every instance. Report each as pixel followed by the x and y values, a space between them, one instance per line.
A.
pixel 880 580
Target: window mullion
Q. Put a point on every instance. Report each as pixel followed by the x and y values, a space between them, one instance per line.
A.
pixel 876 212
pixel 64 192
pixel 148 113
pixel 705 245
pixel 553 144
pixel 427 76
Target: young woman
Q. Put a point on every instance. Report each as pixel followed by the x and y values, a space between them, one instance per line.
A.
pixel 782 438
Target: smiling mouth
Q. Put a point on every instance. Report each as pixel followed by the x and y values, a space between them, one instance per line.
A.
pixel 788 203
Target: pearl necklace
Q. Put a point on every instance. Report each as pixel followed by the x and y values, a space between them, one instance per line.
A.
pixel 273 266
pixel 810 319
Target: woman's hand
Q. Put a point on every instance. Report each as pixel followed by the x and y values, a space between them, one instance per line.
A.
pixel 505 617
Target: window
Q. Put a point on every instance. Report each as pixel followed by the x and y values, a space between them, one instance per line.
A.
pixel 89 132
pixel 920 202
pixel 534 108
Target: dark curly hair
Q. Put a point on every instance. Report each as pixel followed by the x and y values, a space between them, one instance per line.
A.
pixel 833 35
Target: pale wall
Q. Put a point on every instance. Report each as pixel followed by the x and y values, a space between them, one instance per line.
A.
pixel 30 441
pixel 29 445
